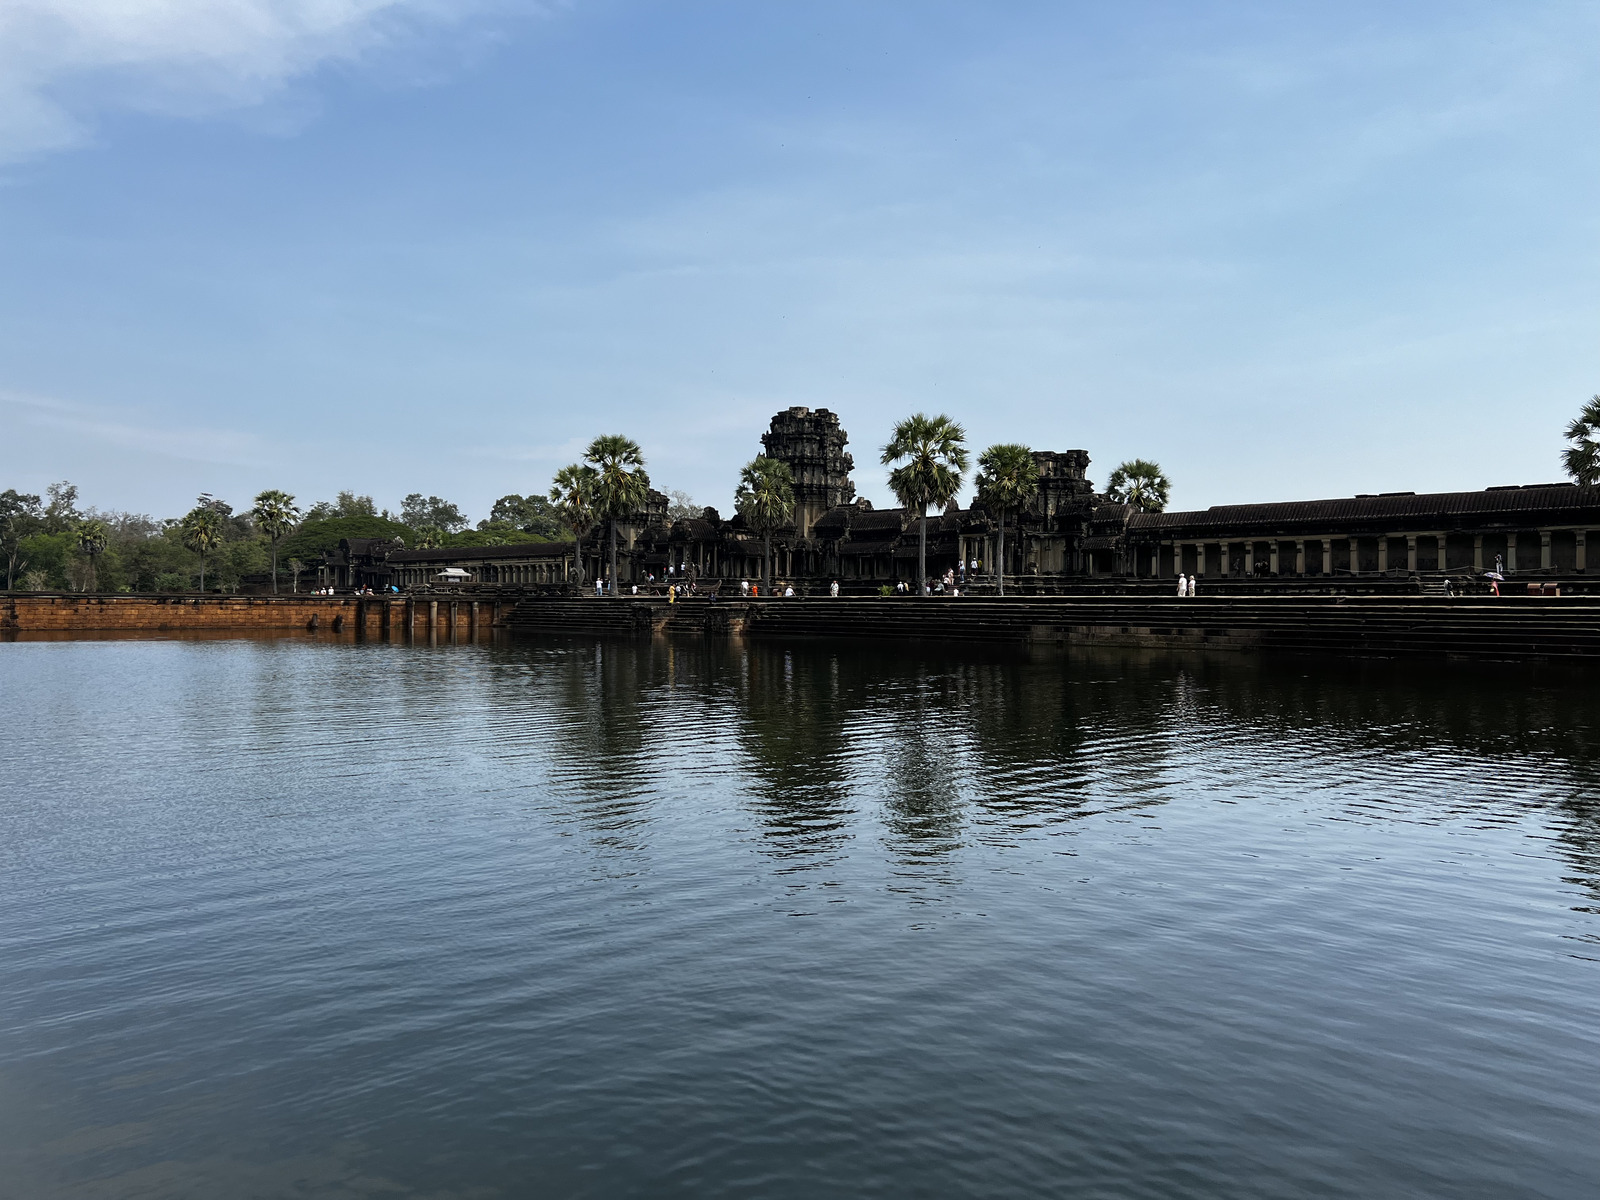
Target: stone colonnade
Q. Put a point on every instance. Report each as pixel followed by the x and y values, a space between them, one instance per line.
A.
pixel 1366 554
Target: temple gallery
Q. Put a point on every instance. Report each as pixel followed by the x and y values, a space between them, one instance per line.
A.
pixel 1065 531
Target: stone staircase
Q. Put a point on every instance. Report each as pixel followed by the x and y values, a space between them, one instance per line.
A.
pixel 1507 628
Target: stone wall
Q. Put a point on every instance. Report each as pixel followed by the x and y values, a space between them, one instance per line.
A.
pixel 70 613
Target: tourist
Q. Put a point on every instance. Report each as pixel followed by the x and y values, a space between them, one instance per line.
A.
pixel 599 587
pixel 1194 586
pixel 1183 586
pixel 788 591
pixel 744 587
pixel 833 588
pixel 672 593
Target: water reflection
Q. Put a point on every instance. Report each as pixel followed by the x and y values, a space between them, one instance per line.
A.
pixel 711 919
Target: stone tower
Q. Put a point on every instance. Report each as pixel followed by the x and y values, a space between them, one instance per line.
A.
pixel 1063 482
pixel 813 446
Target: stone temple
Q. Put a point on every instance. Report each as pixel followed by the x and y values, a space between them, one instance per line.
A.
pixel 1067 535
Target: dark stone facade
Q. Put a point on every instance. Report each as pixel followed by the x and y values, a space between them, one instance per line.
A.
pixel 1066 532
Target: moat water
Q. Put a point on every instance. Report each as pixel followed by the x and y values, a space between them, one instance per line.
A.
pixel 287 917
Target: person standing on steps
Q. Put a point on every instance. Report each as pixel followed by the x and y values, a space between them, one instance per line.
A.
pixel 1194 586
pixel 833 589
pixel 1183 586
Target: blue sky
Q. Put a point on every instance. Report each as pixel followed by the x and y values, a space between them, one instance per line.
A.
pixel 1286 250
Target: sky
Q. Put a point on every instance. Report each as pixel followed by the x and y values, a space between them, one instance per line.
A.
pixel 1285 250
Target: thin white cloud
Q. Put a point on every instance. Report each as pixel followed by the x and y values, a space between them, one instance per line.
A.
pixel 64 62
pixel 212 446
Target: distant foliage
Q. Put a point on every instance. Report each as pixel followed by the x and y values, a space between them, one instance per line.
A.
pixel 431 512
pixel 346 504
pixel 1141 484
pixel 681 506
pixel 1582 456
pixel 531 514
pixel 314 537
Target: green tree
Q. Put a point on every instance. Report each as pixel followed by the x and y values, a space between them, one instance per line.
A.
pixel 765 498
pixel 61 513
pixel 931 457
pixel 345 504
pixel 20 516
pixel 314 538
pixel 1141 484
pixel 421 512
pixel 572 493
pixel 621 485
pixel 275 515
pixel 92 537
pixel 1008 477
pixel 203 532
pixel 532 514
pixel 1582 457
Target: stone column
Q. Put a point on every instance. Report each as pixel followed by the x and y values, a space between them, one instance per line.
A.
pixel 1411 553
pixel 1544 549
pixel 433 617
pixel 1274 557
pixel 1582 538
pixel 1383 553
pixel 1200 559
pixel 1355 555
pixel 1511 553
pixel 1250 559
pixel 1300 557
pixel 1327 556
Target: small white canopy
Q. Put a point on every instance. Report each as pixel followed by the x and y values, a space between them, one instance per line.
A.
pixel 453 573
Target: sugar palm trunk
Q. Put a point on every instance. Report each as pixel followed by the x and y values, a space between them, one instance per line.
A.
pixel 922 551
pixel 613 556
pixel 274 566
pixel 766 565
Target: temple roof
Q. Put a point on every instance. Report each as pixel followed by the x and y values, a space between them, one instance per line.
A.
pixel 465 553
pixel 1540 502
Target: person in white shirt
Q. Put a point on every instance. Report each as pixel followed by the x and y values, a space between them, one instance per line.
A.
pixel 1183 587
pixel 1194 586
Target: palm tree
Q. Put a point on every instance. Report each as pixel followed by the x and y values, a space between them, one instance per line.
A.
pixel 275 516
pixel 1582 458
pixel 932 457
pixel 92 538
pixel 1141 484
pixel 1008 477
pixel 621 485
pixel 765 499
pixel 573 494
pixel 202 533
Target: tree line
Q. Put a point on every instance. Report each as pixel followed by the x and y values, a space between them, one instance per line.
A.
pixel 53 543
pixel 49 543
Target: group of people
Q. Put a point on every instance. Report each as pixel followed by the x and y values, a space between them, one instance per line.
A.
pixel 1189 586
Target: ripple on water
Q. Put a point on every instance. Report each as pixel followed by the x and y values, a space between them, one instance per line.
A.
pixel 600 919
